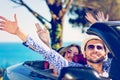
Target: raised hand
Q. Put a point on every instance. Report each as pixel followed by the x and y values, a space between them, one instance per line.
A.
pixel 9 26
pixel 100 17
pixel 43 34
pixel 90 18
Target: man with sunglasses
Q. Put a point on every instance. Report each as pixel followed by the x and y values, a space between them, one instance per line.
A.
pixel 96 53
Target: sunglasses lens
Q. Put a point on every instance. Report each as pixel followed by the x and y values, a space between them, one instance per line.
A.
pixel 91 47
pixel 99 47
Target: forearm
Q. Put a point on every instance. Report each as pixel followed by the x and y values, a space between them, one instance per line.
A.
pixel 21 35
pixel 49 54
pixel 48 44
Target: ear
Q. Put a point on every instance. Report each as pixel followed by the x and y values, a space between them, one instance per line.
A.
pixel 105 57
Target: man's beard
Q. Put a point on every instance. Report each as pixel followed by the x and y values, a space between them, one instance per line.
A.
pixel 97 61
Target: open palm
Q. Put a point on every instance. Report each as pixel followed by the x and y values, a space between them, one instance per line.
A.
pixel 43 34
pixel 8 26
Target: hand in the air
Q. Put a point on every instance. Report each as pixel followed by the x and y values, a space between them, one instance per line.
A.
pixel 9 26
pixel 43 34
pixel 100 17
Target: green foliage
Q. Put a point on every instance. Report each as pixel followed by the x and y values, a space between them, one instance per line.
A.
pixel 111 7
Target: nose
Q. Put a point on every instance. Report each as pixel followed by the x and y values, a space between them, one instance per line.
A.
pixel 95 49
pixel 71 55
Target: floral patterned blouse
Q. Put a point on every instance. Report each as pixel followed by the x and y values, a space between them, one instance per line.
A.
pixel 52 56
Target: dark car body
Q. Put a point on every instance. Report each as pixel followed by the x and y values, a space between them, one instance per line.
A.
pixel 109 32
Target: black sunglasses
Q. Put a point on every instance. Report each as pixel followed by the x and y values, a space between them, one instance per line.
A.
pixel 91 47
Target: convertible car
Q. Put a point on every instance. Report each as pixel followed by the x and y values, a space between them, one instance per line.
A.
pixel 109 32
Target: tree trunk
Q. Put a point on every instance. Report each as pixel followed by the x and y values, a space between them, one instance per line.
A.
pixel 56 35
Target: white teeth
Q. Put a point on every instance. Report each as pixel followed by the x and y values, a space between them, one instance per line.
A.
pixel 94 55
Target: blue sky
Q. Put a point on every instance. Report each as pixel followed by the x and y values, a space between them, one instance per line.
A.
pixel 27 21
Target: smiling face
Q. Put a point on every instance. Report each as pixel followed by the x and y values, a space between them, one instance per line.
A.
pixel 71 52
pixel 95 51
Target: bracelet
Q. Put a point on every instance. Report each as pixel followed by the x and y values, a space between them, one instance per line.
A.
pixel 24 43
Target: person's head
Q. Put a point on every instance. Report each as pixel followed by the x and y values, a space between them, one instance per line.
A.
pixel 95 50
pixel 70 51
